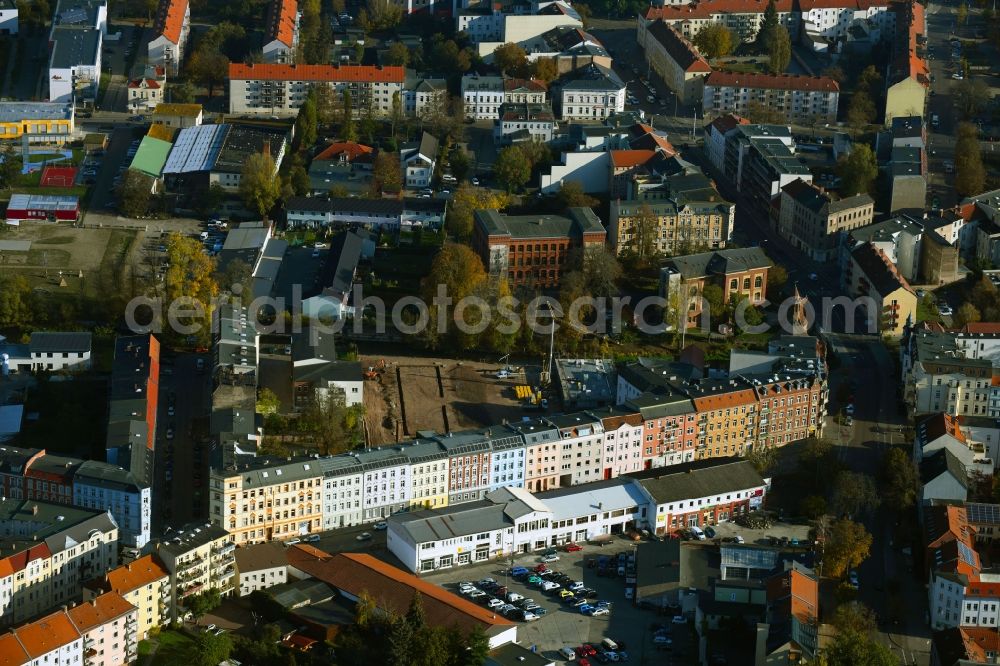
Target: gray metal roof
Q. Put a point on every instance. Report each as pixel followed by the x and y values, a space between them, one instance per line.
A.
pixel 720 262
pixel 15 112
pixel 74 47
pixel 498 511
pixel 576 222
pixel 60 526
pixel 596 497
pixel 701 478
pixel 45 341
pixel 191 536
pixel 105 475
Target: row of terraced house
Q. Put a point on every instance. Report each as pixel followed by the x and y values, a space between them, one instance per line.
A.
pixel 662 418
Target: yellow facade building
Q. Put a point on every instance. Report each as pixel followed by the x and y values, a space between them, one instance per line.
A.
pixel 36 119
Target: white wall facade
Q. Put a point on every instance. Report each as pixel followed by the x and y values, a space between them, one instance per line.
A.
pixel 623 450
pixel 385 491
pixel 8 21
pixel 342 501
pixel 584 104
pixel 589 169
pixel 507 468
pixel 131 510
pixel 261 579
pixel 482 97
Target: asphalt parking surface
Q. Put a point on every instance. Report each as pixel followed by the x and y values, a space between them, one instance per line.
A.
pixel 563 625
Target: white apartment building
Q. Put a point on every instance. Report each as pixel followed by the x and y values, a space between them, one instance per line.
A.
pixel 622 444
pixel 832 20
pixel 342 501
pixel 594 511
pixel 98 485
pixel 741 18
pixel 280 89
pixel 268 500
pixel 524 122
pixel 49 551
pixel 56 351
pixel 282 36
pixel 261 566
pixel 428 475
pixel 418 162
pixel 423 98
pixel 581 448
pixel 172 28
pixel 49 640
pixel 938 377
pixel 964 600
pixel 594 93
pixel 507 462
pixel 807 99
pixel 199 557
pixel 386 482
pixel 506 521
pixel 482 96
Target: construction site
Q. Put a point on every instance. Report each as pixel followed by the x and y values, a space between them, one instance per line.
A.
pixel 441 395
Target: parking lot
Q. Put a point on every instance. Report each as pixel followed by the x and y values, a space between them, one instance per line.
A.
pixel 563 625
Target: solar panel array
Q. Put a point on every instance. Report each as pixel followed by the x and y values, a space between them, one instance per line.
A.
pixel 983 514
pixel 965 553
pixel 196 149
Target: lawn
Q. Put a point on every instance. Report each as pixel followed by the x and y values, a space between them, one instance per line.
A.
pixel 71 417
pixel 34 158
pixel 174 648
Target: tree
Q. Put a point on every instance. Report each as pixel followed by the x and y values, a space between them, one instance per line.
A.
pixel 191 274
pixel 384 14
pixel 466 200
pixel 643 229
pixel 899 479
pixel 347 130
pixel 768 27
pixel 364 610
pixel 600 270
pixel 780 53
pixel 306 123
pixel 135 193
pixel 763 458
pixel 836 72
pixel 458 269
pixel 855 493
pixel 777 278
pixel 259 187
pixel 853 643
pixel 715 302
pixel 972 96
pixel 459 163
pixel 299 180
pixel 181 92
pixel 970 175
pixel 397 55
pixel 512 168
pixel 330 423
pixel 477 647
pixel 764 114
pixel 510 58
pixel 16 302
pixel 203 602
pixel 387 176
pixel 545 69
pixel 10 167
pixel 400 642
pixel 238 277
pixel 571 195
pixel 961 14
pixel 415 616
pixel 861 111
pixel 210 650
pixel 208 65
pixel 847 546
pixel 858 170
pixel 967 313
pixel 714 41
pixel 812 506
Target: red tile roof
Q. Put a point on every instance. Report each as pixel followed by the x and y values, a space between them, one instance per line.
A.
pixel 19 560
pixel 281 19
pixel 132 576
pixel 150 83
pixel 727 122
pixel 392 587
pixel 351 149
pixel 705 9
pixel 858 5
pixel 982 328
pixel 772 81
pixel 170 19
pixel 978 641
pixel 623 159
pixel 735 398
pixel 359 73
pixel 104 609
pixel 45 635
pixel 533 85
pixel 11 652
pixel 938 425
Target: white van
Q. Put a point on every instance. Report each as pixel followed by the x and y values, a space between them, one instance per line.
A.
pixel 609 644
pixel 567 653
pixel 697 532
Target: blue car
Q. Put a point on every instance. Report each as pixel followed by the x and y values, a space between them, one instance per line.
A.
pixel 584 609
pixel 518 571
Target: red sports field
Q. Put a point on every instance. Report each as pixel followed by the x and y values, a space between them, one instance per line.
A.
pixel 58 176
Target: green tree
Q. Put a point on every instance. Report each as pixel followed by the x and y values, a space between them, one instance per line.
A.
pixel 16 302
pixel 325 418
pixel 135 193
pixel 384 14
pixel 398 55
pixel 763 459
pixel 961 14
pixel 307 122
pixel 571 195
pixel 459 163
pixel 511 59
pixel 970 174
pixel 600 269
pixel 348 132
pixel 477 647
pixel 714 41
pixel 211 650
pixel 458 269
pixel 545 69
pixel 415 616
pixel 208 65
pixel 899 478
pixel 400 642
pixel 777 278
pixel 781 51
pixel 10 167
pixel 855 493
pixel 298 179
pixel 644 227
pixel 512 168
pixel 465 201
pixel 854 642
pixel 268 402
pixel 812 506
pixel 191 274
pixel 972 96
pixel 847 545
pixel 861 110
pixel 765 114
pixel 203 602
pixel 238 277
pixel 259 187
pixel 364 610
pixel 768 27
pixel 181 92
pixel 858 170
pixel 716 303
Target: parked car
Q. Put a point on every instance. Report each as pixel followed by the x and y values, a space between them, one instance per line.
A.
pixel 381 525
pixel 573 547
pixel 548 586
pixel 364 536
pixel 550 558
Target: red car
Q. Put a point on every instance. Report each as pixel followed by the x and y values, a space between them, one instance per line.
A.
pixel 583 662
pixel 588 650
pixel 540 568
pixel 573 547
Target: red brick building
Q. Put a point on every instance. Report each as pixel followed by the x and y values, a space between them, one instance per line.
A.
pixel 531 250
pixel 790 410
pixel 740 273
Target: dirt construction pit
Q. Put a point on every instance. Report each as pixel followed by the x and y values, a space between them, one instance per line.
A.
pixel 437 394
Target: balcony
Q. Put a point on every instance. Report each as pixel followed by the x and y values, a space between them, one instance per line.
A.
pixel 131 622
pixel 224 560
pixel 227 547
pixel 184 566
pixel 88 643
pixel 194 589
